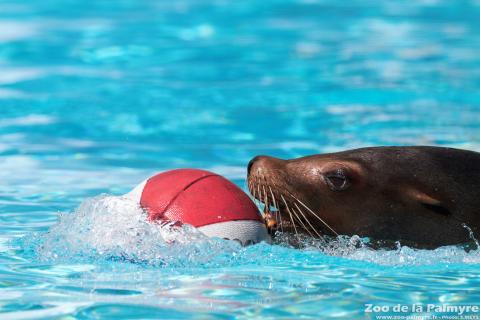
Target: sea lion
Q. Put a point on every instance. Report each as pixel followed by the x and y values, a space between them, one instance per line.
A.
pixel 421 196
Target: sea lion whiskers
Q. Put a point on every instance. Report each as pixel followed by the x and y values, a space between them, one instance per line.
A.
pixel 296 215
pixel 254 188
pixel 303 214
pixel 259 194
pixel 265 199
pixel 308 221
pixel 276 207
pixel 314 214
pixel 278 215
pixel 258 189
pixel 258 197
pixel 266 210
pixel 253 192
pixel 290 214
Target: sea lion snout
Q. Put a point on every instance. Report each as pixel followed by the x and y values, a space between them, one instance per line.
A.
pixel 262 163
pixel 275 183
pixel 251 162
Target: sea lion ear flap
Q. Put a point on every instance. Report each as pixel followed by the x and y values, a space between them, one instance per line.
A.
pixel 428 201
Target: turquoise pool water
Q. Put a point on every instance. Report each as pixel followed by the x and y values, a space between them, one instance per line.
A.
pixel 95 96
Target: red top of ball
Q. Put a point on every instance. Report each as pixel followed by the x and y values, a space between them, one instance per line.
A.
pixel 196 197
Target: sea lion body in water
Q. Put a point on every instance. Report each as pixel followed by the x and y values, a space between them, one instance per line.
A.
pixel 421 196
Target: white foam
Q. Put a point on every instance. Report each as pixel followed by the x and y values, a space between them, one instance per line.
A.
pixel 110 227
pixel 357 248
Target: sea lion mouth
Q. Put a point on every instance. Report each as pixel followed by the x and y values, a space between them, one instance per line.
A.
pixel 285 212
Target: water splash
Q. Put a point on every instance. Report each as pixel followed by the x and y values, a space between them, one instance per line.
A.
pixel 471 235
pixel 107 228
pixel 363 249
pixel 116 228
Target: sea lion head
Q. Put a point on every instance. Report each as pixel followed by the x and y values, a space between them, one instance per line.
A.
pixel 421 196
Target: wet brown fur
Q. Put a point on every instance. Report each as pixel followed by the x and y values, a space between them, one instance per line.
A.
pixel 419 195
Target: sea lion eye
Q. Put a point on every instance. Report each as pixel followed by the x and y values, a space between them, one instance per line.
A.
pixel 337 180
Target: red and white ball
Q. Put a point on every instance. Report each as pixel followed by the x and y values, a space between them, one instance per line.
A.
pixel 203 199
